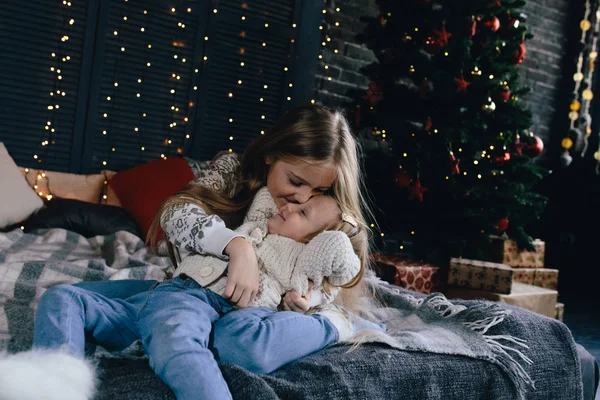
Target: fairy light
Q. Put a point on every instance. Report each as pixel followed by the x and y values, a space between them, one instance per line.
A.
pixel 58 58
pixel 579 110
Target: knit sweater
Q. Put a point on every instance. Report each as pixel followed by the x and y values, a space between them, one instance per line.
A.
pixel 193 231
pixel 284 264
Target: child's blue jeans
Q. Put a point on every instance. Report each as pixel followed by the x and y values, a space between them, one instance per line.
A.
pixel 174 320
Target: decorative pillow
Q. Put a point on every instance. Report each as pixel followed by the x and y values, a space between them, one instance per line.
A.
pixel 85 218
pixel 142 189
pixel 17 200
pixel 111 196
pixel 65 185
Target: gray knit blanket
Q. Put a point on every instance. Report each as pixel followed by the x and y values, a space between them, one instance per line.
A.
pixel 432 328
pixel 30 263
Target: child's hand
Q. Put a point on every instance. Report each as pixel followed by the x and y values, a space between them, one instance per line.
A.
pixel 242 272
pixel 294 301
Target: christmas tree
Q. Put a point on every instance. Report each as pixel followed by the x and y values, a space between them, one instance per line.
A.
pixel 454 163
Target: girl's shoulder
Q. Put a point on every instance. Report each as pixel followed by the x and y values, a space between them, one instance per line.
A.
pixel 222 174
pixel 226 158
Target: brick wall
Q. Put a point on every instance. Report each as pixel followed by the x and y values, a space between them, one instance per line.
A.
pixel 546 66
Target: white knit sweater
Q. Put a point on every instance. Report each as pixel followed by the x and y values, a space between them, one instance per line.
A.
pixel 284 263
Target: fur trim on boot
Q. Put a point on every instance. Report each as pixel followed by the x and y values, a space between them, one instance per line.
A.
pixel 46 375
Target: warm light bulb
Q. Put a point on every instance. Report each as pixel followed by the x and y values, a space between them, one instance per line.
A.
pixel 567 143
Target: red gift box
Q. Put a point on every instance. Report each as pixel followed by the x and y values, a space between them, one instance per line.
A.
pixel 408 273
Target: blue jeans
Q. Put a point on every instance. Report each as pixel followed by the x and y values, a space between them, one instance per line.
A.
pixel 173 320
pixel 114 314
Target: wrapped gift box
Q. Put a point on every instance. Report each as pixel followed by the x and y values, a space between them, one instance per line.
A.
pixel 546 278
pixel 542 277
pixel 560 311
pixel 484 275
pixel 505 251
pixel 407 272
pixel 533 298
pixel 524 275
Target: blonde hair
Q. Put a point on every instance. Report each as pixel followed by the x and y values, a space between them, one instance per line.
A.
pixel 312 133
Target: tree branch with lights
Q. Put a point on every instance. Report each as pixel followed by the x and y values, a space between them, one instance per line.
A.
pixel 454 164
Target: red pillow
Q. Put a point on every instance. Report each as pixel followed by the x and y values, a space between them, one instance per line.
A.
pixel 142 189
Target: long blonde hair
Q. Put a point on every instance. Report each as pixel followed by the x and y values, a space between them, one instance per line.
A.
pixel 310 132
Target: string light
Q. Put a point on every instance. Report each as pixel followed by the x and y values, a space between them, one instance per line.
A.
pixel 579 109
pixel 58 57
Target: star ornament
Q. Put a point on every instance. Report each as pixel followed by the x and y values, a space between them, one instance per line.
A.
pixel 416 191
pixel 461 83
pixel 441 36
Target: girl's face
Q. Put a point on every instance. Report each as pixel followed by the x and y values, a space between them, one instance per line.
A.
pixel 298 221
pixel 296 181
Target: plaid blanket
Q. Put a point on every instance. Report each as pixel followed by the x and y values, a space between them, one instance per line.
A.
pixel 30 263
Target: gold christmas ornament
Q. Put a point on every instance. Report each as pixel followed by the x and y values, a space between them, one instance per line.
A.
pixel 585 25
pixel 575 105
pixel 567 143
pixel 578 77
pixel 587 94
pixel 597 156
pixel 573 115
pixel 593 55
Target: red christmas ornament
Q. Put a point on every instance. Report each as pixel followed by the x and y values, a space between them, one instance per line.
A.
pixel 472 27
pixel 503 95
pixel 416 191
pixel 519 54
pixel 502 224
pixel 502 158
pixel 454 169
pixel 402 178
pixel 492 23
pixel 534 149
pixel 461 83
pixel 373 94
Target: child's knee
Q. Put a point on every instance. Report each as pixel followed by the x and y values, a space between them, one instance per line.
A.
pixel 59 294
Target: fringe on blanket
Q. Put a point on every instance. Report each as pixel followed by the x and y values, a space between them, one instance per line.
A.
pixel 479 318
pixel 504 347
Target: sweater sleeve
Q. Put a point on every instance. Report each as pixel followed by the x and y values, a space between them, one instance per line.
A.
pixel 189 227
pixel 255 226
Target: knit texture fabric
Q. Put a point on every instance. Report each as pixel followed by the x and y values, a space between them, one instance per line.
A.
pixel 284 264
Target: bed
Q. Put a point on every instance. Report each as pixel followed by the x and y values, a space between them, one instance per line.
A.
pixel 437 349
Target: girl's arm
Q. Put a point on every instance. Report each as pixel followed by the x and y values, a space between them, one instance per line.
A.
pixel 189 227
